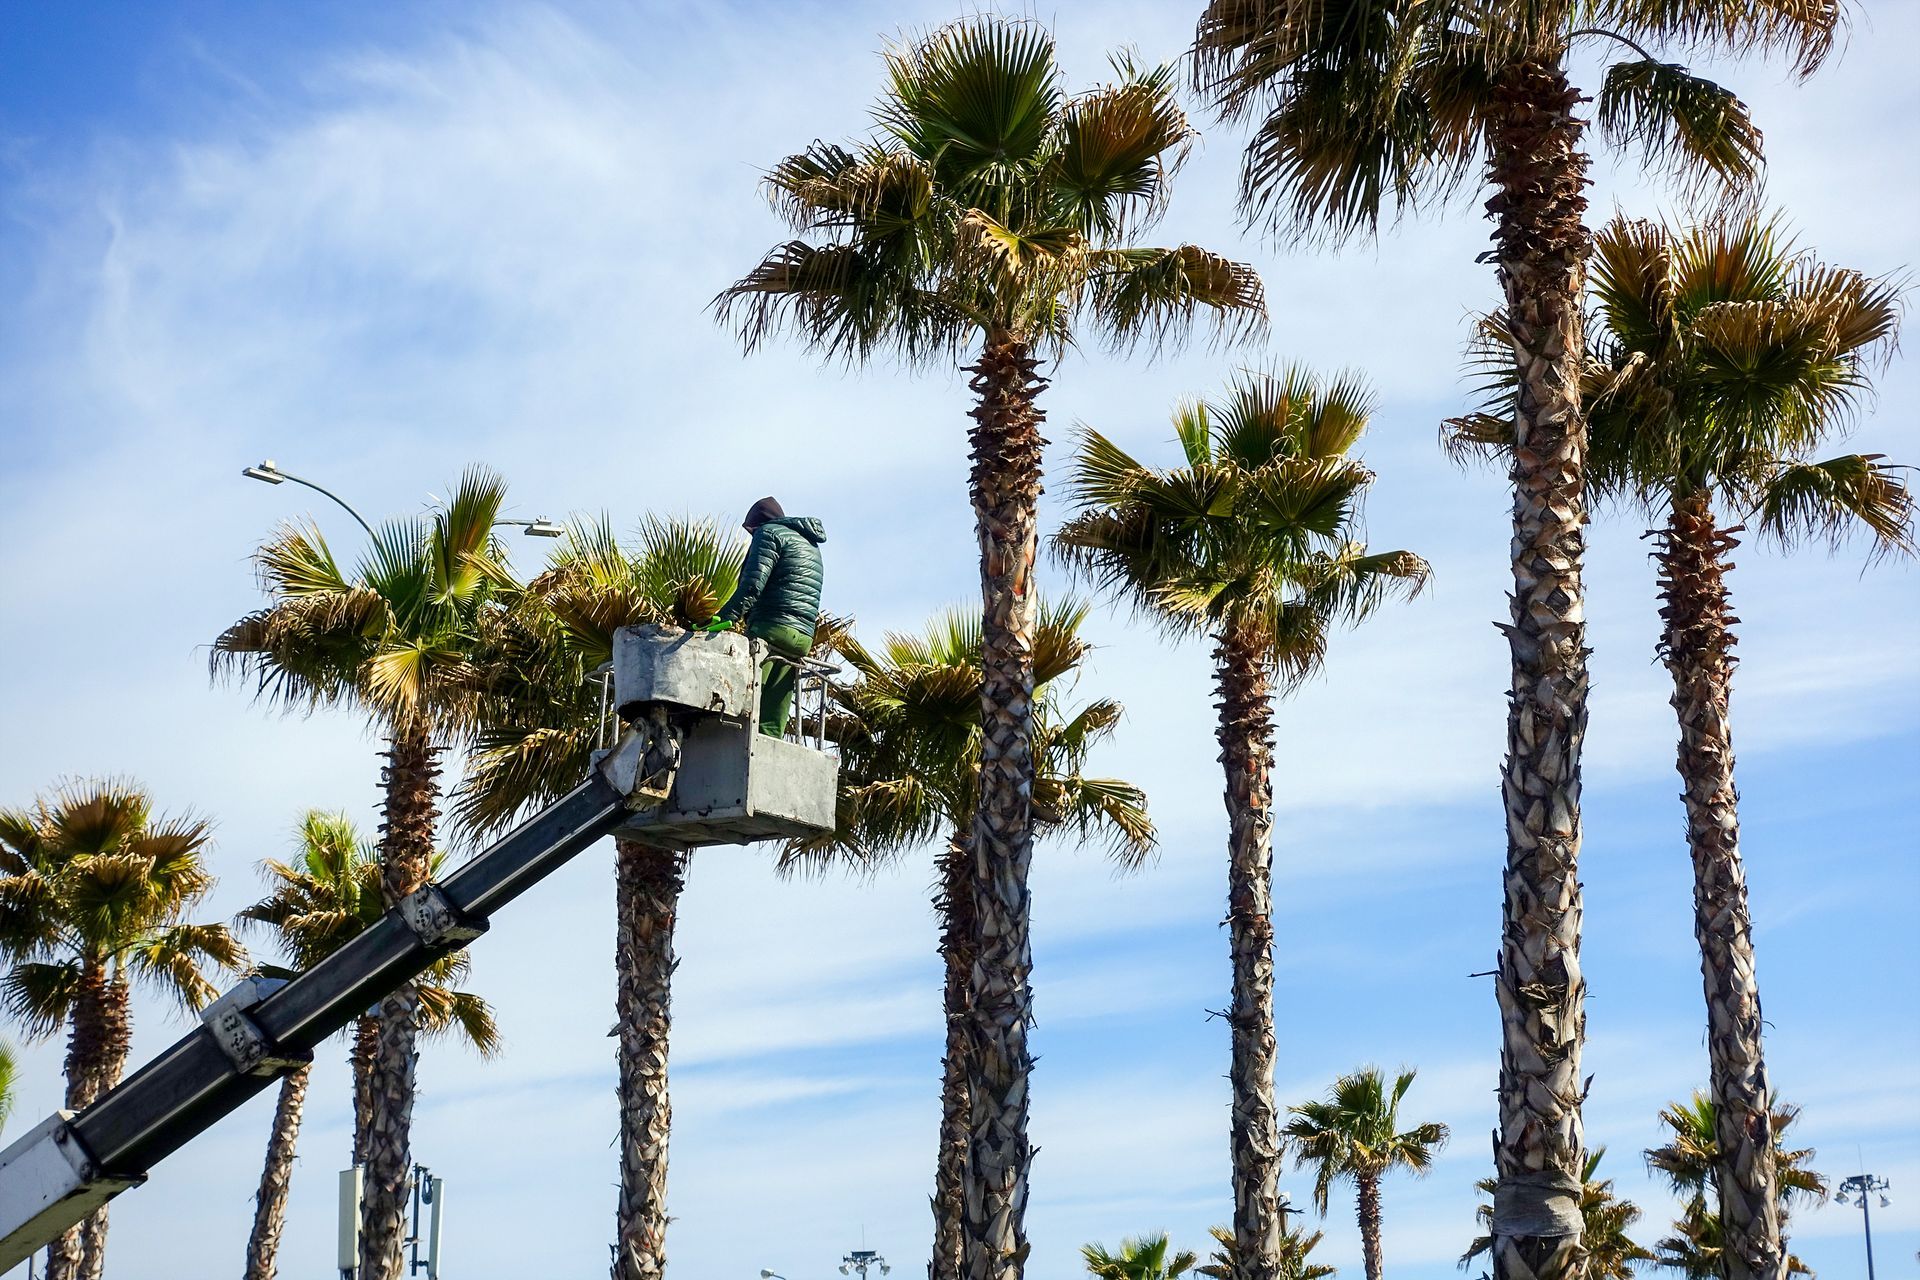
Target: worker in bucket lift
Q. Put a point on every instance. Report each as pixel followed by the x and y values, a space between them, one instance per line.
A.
pixel 778 599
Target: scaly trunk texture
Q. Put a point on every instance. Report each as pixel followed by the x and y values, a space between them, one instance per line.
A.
pixel 96 1052
pixel 1007 448
pixel 1246 753
pixel 1542 243
pixel 406 853
pixel 116 1042
pixel 1697 647
pixel 366 1047
pixel 270 1203
pixel 1368 1203
pixel 647 887
pixel 954 906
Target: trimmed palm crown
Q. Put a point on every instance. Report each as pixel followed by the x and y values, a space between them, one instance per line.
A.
pixel 1370 107
pixel 536 710
pixel 1251 539
pixel 988 203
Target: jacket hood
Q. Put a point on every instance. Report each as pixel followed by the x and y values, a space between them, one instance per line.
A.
pixel 806 526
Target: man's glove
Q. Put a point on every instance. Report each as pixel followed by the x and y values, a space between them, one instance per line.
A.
pixel 718 624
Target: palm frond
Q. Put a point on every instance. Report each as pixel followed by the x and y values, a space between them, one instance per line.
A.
pixel 1685 125
pixel 1826 501
pixel 39 995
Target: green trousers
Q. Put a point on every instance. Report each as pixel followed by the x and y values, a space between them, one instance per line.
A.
pixel 779 680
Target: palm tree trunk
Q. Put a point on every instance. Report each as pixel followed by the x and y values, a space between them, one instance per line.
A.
pixel 270 1203
pixel 86 1071
pixel 1368 1187
pixel 954 906
pixel 647 887
pixel 406 852
pixel 1539 168
pixel 1697 647
pixel 1007 449
pixel 366 1047
pixel 116 1041
pixel 1246 753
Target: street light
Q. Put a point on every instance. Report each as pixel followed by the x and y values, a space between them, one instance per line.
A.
pixel 1863 1185
pixel 541 528
pixel 267 473
pixel 770 1275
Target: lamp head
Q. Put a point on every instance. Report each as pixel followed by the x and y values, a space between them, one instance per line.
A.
pixel 266 471
pixel 544 528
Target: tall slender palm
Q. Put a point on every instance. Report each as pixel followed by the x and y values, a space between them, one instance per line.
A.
pixel 1365 107
pixel 395 639
pixel 1141 1258
pixel 1606 1219
pixel 1254 543
pixel 1296 1247
pixel 990 213
pixel 537 724
pixel 1355 1135
pixel 1719 359
pixel 329 894
pixel 95 893
pixel 908 726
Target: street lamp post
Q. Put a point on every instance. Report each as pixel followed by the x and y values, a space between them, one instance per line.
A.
pixel 1865 1185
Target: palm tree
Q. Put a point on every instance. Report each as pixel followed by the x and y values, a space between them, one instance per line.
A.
pixel 1605 1219
pixel 396 639
pixel 1295 1246
pixel 1140 1258
pixel 328 895
pixel 1692 1153
pixel 538 721
pixel 1719 359
pixel 1691 1159
pixel 908 729
pixel 991 214
pixel 1253 542
pixel 1365 107
pixel 95 891
pixel 1355 1135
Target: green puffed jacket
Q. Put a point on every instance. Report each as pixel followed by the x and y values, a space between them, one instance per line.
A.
pixel 781 579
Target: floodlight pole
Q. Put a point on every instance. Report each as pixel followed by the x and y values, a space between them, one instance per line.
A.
pixel 860 1260
pixel 1865 1186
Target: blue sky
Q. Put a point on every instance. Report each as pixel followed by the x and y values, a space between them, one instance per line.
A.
pixel 379 243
